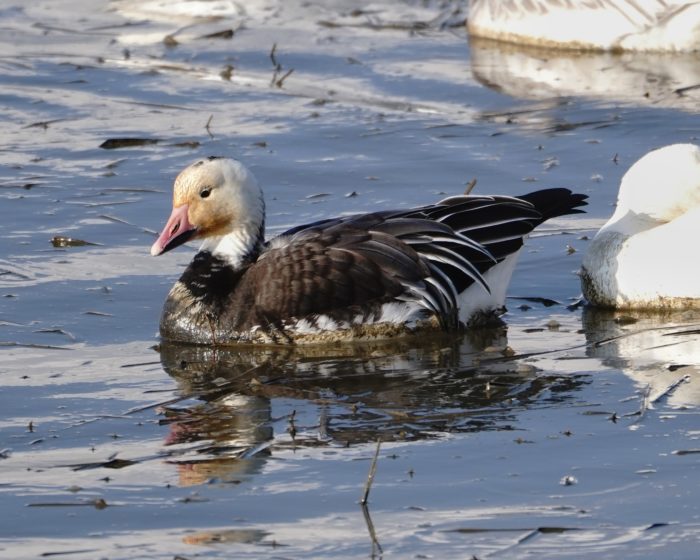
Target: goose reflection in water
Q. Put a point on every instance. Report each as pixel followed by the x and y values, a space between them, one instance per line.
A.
pixel 659 351
pixel 409 389
pixel 668 80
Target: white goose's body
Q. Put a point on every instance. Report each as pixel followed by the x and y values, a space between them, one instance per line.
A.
pixel 647 256
pixel 441 266
pixel 636 25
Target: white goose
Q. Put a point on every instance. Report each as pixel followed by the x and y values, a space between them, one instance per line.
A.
pixel 647 256
pixel 375 275
pixel 618 25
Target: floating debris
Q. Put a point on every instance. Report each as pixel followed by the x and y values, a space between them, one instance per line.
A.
pixel 117 143
pixel 550 162
pixel 99 503
pixel 193 498
pixel 227 72
pixel 469 187
pixel 241 536
pixel 62 242
pixel 280 82
pixel 4 272
pixel 278 68
pixel 57 330
pixel 379 26
pixel 110 464
pixel 225 34
pixel 121 221
pixel 682 90
pixel 67 552
pixel 25 186
pixel 543 530
pixel 206 126
pixel 534 299
pixel 132 190
pixel 186 144
pixel 28 345
pixel 568 480
pixel 98 314
pixel 43 124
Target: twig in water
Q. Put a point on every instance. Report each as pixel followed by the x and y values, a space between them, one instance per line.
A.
pixel 280 82
pixel 291 428
pixel 278 69
pixel 671 388
pixel 206 126
pixel 370 475
pixel 644 406
pixel 646 401
pixel 681 91
pixel 376 547
pixel 272 56
pixel 470 186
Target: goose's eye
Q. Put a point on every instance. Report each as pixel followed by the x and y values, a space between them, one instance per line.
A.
pixel 205 193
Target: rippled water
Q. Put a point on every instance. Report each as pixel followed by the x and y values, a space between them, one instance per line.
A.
pixel 573 433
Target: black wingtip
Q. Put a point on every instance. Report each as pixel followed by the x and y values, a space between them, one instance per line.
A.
pixel 556 202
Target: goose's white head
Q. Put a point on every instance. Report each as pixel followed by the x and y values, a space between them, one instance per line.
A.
pixel 219 201
pixel 661 186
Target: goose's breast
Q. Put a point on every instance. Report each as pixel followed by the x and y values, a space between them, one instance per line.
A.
pixel 658 268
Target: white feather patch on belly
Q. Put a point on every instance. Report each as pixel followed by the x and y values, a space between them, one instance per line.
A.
pixel 396 313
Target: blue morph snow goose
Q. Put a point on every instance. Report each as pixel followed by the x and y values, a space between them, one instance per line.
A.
pixel 442 266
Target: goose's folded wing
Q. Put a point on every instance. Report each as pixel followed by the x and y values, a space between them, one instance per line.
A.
pixel 317 271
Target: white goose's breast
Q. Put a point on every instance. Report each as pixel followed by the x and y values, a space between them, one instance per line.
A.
pixel 658 268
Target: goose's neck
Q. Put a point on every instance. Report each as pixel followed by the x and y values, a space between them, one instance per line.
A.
pixel 629 223
pixel 239 247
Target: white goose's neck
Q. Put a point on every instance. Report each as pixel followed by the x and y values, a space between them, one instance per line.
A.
pixel 629 223
pixel 239 247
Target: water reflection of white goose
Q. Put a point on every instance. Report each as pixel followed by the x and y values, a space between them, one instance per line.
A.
pixel 660 352
pixel 639 78
pixel 646 256
pixel 637 25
